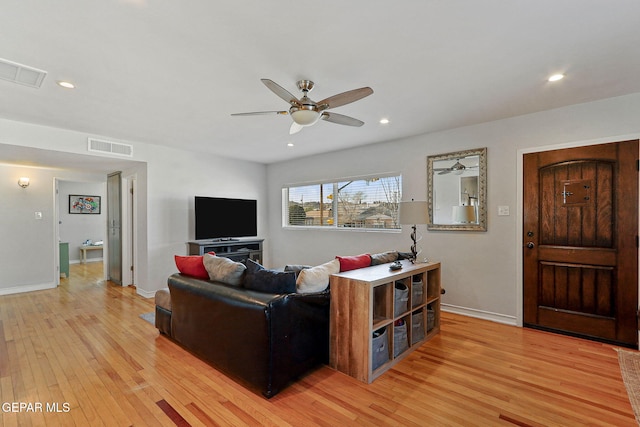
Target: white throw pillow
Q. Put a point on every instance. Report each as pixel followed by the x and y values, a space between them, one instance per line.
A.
pixel 316 279
pixel 223 270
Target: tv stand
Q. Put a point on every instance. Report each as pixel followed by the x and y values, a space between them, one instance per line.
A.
pixel 236 249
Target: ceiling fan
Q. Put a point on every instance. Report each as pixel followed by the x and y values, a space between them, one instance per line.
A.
pixel 306 112
pixel 457 168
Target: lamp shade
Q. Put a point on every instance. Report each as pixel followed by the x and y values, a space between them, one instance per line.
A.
pixel 413 212
pixel 464 214
pixel 305 117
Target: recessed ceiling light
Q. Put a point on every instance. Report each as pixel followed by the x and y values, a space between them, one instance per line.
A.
pixel 290 144
pixel 384 121
pixel 66 85
pixel 556 77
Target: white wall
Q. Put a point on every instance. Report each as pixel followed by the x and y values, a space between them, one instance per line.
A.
pixel 479 269
pixel 76 228
pixel 167 181
pixel 174 178
pixel 28 245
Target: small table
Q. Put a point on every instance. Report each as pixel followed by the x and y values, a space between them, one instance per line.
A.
pixel 84 249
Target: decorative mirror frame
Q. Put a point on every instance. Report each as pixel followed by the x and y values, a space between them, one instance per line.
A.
pixel 482 190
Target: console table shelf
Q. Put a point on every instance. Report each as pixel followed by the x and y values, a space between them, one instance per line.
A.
pixel 236 249
pixel 379 316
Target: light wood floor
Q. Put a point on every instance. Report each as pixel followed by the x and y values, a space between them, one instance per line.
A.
pixel 84 347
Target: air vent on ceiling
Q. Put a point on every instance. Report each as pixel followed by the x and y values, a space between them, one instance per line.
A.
pixel 21 74
pixel 116 148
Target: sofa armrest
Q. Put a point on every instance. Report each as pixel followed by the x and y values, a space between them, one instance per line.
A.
pixel 299 337
pixel 317 298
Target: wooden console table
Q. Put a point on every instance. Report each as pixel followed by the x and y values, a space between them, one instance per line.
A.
pixel 84 249
pixel 362 303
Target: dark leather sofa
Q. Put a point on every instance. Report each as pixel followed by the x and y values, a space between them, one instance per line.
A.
pixel 264 340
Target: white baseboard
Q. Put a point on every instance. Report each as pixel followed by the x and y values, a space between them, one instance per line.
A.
pixel 26 288
pixel 480 314
pixel 145 294
pixel 77 261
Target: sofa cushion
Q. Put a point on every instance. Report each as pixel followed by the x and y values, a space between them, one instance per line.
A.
pixel 316 279
pixel 163 298
pixel 405 255
pixel 258 278
pixel 192 265
pixel 354 262
pixel 224 270
pixel 384 257
pixel 296 268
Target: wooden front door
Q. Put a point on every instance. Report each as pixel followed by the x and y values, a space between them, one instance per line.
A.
pixel 580 255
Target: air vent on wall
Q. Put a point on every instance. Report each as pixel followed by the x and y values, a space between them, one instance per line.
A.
pixel 21 74
pixel 115 148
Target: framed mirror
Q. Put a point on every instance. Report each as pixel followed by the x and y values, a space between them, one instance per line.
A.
pixel 457 190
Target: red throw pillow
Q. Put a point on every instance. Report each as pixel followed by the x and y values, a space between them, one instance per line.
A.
pixel 191 265
pixel 354 262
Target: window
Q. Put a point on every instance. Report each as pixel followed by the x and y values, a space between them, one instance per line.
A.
pixel 362 203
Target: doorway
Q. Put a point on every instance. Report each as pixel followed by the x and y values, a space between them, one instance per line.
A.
pixel 114 227
pixel 79 235
pixel 580 256
pixel 129 221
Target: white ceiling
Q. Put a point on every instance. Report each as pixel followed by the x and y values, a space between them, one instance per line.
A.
pixel 171 72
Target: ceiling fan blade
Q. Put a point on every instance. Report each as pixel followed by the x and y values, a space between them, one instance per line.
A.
pixel 295 128
pixel 344 98
pixel 261 113
pixel 444 172
pixel 341 119
pixel 281 92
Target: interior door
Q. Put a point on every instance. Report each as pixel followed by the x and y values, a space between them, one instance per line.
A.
pixel 580 254
pixel 114 228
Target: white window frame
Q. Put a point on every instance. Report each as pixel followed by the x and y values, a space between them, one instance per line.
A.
pixel 334 183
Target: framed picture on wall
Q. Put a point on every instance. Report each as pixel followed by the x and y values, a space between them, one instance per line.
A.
pixel 80 204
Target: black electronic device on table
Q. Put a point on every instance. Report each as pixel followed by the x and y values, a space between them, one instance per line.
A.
pixel 397 265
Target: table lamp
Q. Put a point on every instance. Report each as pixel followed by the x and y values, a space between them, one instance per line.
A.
pixel 464 214
pixel 414 213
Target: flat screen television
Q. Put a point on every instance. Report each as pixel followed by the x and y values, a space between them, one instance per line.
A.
pixel 220 218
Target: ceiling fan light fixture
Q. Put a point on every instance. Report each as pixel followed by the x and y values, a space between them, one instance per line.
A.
pixel 305 117
pixel 458 168
pixel 306 112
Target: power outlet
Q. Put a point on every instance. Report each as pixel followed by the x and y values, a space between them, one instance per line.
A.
pixel 38 215
pixel 503 210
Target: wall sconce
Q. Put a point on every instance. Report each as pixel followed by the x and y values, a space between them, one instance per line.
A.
pixel 23 182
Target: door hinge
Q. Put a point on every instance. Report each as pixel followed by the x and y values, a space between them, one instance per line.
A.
pixel 131 268
pixel 637 241
pixel 638 165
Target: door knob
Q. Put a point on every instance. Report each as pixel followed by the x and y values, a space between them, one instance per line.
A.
pixel 530 245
